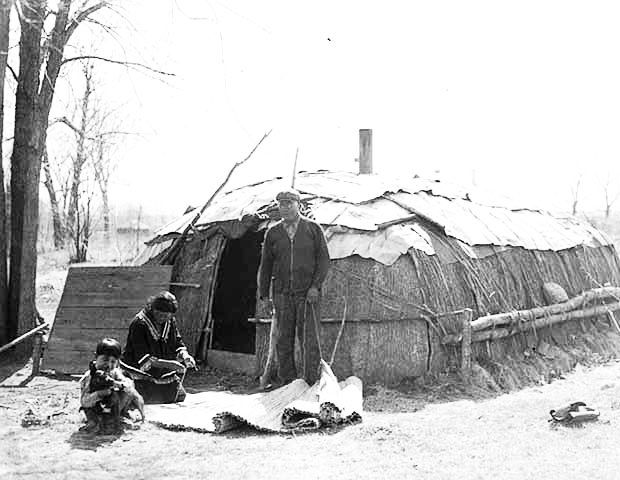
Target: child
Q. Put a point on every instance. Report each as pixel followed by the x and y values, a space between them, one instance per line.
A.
pixel 106 393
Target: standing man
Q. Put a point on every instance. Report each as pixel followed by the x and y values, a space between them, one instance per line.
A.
pixel 295 257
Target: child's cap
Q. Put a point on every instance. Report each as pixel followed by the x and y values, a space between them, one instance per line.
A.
pixel 109 346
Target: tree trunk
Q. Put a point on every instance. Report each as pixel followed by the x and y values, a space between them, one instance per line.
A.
pixel 106 213
pixel 78 164
pixel 5 10
pixel 25 174
pixel 59 232
pixel 102 180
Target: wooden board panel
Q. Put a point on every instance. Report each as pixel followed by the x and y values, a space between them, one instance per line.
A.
pixel 92 278
pixel 121 298
pixel 113 286
pixel 75 335
pixel 89 317
pixel 233 361
pixel 98 302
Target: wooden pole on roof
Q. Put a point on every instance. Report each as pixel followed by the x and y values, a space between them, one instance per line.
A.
pixel 174 248
pixel 294 169
pixel 365 165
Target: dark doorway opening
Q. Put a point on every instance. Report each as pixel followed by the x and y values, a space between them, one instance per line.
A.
pixel 235 294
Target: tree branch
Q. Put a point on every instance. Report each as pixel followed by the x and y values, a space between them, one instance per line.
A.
pixel 118 62
pixel 75 21
pixel 13 72
pixel 67 122
pixel 98 136
pixel 173 249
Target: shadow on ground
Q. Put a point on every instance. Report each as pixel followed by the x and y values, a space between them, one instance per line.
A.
pixel 90 441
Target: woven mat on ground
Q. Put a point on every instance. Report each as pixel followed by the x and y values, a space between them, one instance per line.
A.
pixel 293 407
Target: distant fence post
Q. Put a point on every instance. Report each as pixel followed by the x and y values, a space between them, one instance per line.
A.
pixel 466 341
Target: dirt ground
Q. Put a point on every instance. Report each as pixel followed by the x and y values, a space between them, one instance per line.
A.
pixel 401 436
pixel 422 431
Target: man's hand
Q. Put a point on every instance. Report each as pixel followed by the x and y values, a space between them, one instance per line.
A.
pixel 265 307
pixel 313 295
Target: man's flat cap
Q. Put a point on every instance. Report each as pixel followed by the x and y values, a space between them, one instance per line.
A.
pixel 289 194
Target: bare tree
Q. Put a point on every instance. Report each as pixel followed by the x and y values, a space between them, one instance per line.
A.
pixel 41 56
pixel 39 67
pixel 57 217
pixel 104 167
pixel 5 12
pixel 82 228
pixel 611 192
pixel 91 155
pixel 575 194
pixel 25 168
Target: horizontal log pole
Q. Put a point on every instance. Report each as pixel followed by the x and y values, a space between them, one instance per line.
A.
pixel 351 320
pixel 182 284
pixel 497 333
pixel 501 319
pixel 23 337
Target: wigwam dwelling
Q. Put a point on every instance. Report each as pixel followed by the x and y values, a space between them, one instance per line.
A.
pixel 409 258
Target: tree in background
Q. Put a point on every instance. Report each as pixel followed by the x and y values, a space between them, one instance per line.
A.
pixel 104 166
pixel 5 11
pixel 40 60
pixel 44 33
pixel 611 192
pixel 80 167
pixel 575 194
pixel 57 219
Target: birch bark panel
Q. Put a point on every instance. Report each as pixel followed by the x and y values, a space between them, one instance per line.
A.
pixel 195 303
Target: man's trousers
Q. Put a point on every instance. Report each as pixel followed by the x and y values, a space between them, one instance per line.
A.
pixel 296 318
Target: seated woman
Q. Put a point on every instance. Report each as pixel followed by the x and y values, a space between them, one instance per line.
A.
pixel 155 355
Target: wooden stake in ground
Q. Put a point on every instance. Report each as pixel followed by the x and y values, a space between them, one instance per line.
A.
pixel 466 342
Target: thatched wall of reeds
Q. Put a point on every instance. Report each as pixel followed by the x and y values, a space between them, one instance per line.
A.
pixel 508 280
pixel 376 352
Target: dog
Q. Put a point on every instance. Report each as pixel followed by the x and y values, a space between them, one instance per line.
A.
pixel 118 403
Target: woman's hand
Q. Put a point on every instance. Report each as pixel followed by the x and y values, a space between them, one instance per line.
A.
pixel 188 360
pixel 169 364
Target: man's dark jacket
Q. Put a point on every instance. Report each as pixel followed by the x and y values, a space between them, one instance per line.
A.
pixel 310 260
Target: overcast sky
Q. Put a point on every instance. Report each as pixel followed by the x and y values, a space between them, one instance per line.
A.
pixel 518 97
